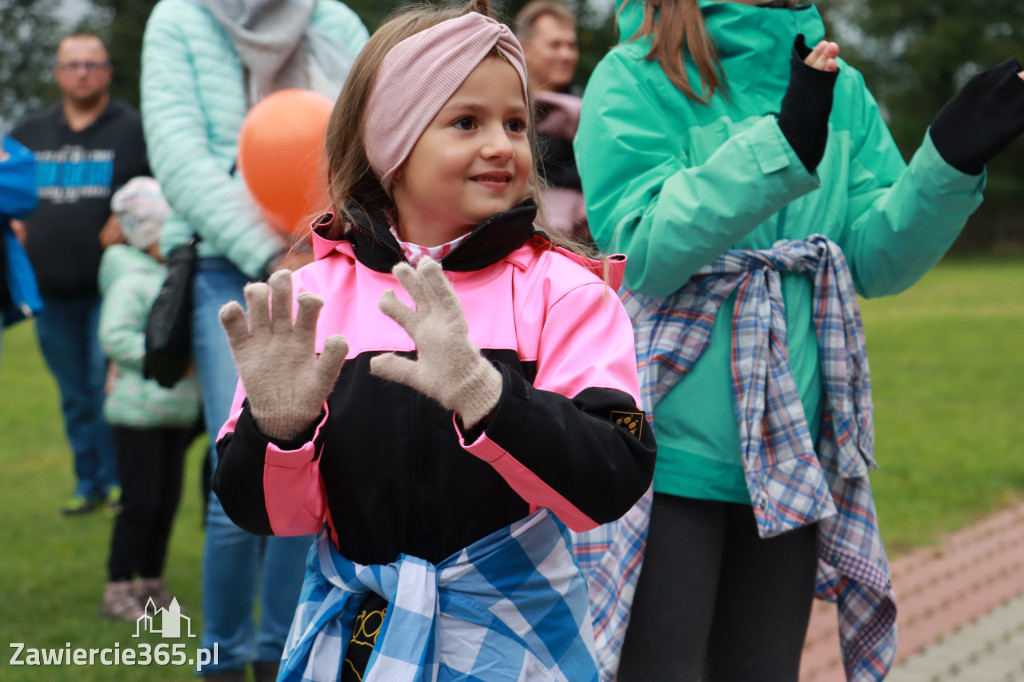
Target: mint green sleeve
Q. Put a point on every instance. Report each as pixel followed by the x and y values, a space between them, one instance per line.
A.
pixel 901 218
pixel 122 324
pixel 647 200
pixel 344 25
pixel 195 180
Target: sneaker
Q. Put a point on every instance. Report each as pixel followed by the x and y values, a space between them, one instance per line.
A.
pixel 113 500
pixel 155 589
pixel 119 602
pixel 78 505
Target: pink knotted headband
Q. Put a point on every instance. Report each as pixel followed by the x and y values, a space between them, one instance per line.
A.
pixel 419 75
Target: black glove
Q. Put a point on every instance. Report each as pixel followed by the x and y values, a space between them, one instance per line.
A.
pixel 806 106
pixel 985 116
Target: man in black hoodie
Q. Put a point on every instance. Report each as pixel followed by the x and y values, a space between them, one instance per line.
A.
pixel 86 147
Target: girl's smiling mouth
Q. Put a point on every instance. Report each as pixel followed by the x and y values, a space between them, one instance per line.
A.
pixel 493 179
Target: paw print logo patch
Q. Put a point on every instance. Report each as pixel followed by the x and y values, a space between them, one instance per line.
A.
pixel 631 421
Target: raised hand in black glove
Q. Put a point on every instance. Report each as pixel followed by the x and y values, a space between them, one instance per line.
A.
pixel 985 116
pixel 807 103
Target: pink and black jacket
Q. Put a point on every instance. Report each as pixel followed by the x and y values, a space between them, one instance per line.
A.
pixel 389 470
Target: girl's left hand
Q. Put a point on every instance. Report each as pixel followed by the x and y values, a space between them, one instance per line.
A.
pixel 449 367
pixel 823 56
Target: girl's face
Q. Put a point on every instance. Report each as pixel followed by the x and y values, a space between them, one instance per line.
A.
pixel 471 162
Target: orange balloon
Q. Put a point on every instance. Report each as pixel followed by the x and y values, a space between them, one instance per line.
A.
pixel 281 156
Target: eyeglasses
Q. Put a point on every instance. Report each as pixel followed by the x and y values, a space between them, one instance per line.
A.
pixel 90 67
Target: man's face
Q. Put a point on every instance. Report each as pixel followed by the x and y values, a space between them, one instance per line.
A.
pixel 551 53
pixel 83 69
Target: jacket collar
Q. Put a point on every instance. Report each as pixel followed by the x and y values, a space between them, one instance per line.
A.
pixel 375 247
pixel 751 34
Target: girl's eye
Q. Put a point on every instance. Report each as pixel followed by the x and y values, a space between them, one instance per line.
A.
pixel 516 125
pixel 464 123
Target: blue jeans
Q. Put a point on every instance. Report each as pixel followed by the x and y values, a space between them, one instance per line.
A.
pixel 237 564
pixel 68 333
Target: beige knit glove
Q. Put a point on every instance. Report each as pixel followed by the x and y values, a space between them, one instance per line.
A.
pixel 449 367
pixel 284 379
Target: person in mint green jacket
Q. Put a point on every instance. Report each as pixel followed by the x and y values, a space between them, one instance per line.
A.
pixel 204 64
pixel 756 190
pixel 152 425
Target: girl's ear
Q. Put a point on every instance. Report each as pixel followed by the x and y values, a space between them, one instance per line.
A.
pixel 398 174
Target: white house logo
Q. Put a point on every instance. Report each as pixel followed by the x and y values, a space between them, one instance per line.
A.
pixel 163 621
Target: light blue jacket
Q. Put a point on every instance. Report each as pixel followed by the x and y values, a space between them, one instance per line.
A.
pixel 18 197
pixel 129 282
pixel 193 104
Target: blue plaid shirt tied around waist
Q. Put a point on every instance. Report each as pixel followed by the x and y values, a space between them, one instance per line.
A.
pixel 610 557
pixel 511 607
pixel 791 483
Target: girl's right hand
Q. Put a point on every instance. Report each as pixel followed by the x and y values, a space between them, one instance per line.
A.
pixel 823 56
pixel 285 380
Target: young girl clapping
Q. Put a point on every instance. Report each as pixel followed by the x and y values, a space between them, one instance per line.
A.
pixel 454 392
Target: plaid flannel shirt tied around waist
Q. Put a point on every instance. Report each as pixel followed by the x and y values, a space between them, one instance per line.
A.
pixel 791 483
pixel 511 607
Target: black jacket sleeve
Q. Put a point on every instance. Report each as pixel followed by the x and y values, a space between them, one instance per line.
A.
pixel 238 479
pixel 595 449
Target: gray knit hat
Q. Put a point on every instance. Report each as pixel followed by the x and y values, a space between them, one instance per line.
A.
pixel 142 209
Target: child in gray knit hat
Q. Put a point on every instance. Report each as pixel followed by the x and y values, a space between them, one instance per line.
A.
pixel 141 208
pixel 152 426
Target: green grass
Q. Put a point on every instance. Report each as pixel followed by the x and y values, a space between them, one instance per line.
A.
pixel 53 569
pixel 947 365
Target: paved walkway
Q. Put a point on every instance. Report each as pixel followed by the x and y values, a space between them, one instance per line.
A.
pixel 961 610
pixel 990 648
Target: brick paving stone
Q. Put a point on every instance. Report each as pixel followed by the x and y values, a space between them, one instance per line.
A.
pixel 991 649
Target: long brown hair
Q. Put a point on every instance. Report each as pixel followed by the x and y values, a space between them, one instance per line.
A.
pixel 680 27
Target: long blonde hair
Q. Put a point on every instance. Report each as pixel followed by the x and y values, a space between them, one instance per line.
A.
pixel 350 178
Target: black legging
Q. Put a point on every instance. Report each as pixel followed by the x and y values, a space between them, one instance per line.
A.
pixel 715 602
pixel 150 464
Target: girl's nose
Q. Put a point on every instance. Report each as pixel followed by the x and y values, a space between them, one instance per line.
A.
pixel 498 144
